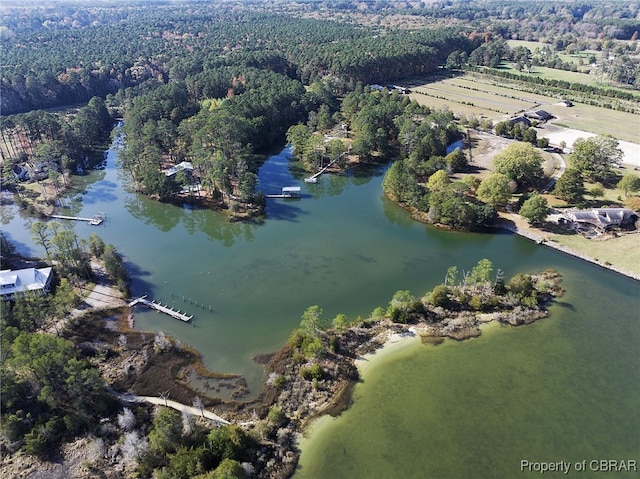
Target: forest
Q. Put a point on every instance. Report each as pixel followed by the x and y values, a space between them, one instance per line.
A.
pixel 215 87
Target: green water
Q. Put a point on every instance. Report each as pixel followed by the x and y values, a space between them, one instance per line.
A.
pixel 564 388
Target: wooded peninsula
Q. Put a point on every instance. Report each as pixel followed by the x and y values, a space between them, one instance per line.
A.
pixel 202 94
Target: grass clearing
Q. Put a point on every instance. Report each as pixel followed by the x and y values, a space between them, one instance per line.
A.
pixel 485 96
pixel 622 252
pixel 485 100
pixel 601 121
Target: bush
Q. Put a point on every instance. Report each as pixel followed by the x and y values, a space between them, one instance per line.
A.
pixel 439 296
pixel 279 382
pixel 476 303
pixel 276 416
pixel 314 371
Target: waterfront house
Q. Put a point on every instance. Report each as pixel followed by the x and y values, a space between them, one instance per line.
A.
pixel 604 218
pixel 18 282
pixel 185 165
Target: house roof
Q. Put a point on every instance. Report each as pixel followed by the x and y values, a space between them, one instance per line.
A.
pixel 602 217
pixel 520 119
pixel 22 280
pixel 539 114
pixel 185 165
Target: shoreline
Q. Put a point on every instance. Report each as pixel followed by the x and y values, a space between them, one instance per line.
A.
pixel 540 240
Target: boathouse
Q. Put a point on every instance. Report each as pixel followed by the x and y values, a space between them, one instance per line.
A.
pixel 291 192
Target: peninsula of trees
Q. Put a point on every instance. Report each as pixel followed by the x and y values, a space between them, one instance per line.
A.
pixel 213 87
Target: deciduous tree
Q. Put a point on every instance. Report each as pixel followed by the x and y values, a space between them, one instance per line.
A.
pixel 570 186
pixel 494 189
pixel 594 157
pixel 520 162
pixel 629 183
pixel 535 209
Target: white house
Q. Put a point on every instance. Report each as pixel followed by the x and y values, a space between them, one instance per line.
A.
pixel 18 282
pixel 185 165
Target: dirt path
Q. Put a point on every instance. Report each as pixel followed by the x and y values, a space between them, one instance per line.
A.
pixel 172 404
pixel 103 296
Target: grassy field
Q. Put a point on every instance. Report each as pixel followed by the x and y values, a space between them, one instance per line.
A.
pixel 584 55
pixel 483 96
pixel 601 121
pixel 485 100
pixel 622 252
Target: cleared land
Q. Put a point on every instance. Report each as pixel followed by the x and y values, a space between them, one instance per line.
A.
pixel 622 252
pixel 575 58
pixel 485 96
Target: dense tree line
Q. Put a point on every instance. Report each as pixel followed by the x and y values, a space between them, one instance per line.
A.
pixel 565 85
pixel 419 178
pixel 49 67
pixel 52 145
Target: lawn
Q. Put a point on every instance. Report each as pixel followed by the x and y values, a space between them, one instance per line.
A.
pixel 585 55
pixel 601 121
pixel 622 252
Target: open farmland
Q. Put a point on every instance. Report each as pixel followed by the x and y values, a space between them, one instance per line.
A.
pixel 486 100
pixel 486 96
pixel 474 94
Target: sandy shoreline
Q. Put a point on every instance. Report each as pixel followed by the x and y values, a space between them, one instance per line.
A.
pixel 395 343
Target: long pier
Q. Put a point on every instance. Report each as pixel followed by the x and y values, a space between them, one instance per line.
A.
pixel 314 178
pixel 163 309
pixel 95 221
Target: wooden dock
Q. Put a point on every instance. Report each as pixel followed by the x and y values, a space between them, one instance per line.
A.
pixel 95 221
pixel 297 197
pixel 163 309
pixel 314 178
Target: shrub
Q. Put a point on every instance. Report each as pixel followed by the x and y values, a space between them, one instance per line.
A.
pixel 279 382
pixel 439 296
pixel 314 371
pixel 276 416
pixel 476 303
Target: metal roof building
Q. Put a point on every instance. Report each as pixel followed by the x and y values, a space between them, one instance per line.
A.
pixel 22 280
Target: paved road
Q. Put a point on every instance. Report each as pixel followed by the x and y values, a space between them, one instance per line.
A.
pixel 556 177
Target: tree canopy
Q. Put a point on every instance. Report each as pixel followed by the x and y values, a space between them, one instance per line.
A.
pixel 520 162
pixel 595 157
pixel 494 189
pixel 534 209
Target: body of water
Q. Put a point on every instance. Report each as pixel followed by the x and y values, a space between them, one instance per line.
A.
pixel 564 387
